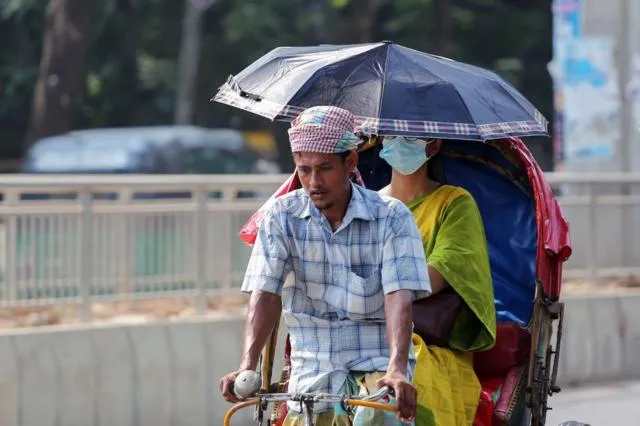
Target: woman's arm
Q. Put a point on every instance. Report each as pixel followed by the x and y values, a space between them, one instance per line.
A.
pixel 438 283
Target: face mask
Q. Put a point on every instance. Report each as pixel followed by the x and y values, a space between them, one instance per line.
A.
pixel 405 155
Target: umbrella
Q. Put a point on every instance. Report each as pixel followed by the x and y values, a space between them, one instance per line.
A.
pixel 391 89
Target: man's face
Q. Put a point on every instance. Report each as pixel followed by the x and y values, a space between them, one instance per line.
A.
pixel 325 177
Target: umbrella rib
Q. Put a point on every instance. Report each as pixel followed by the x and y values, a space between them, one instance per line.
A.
pixel 350 74
pixel 443 80
pixel 384 82
pixel 315 72
pixel 475 70
pixel 454 63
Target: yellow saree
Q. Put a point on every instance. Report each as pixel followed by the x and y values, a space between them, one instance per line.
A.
pixel 455 245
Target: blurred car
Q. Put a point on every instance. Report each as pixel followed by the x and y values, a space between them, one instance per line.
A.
pixel 147 150
pixel 152 149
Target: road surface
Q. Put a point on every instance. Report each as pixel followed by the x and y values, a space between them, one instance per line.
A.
pixel 616 404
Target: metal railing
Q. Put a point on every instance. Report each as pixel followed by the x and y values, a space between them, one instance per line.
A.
pixel 603 210
pixel 78 239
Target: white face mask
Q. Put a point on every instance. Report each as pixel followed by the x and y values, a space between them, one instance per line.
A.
pixel 405 155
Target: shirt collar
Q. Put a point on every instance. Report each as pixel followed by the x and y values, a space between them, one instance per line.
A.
pixel 358 207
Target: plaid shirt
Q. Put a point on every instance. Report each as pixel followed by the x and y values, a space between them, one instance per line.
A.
pixel 333 302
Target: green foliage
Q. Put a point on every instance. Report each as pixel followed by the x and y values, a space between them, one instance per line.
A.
pixel 21 25
pixel 132 62
pixel 18 9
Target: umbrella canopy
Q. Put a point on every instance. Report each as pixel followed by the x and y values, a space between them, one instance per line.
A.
pixel 392 90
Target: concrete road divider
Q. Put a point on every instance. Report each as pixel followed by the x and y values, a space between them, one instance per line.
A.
pixel 601 338
pixel 166 374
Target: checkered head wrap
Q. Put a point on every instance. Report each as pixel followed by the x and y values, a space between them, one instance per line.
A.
pixel 324 129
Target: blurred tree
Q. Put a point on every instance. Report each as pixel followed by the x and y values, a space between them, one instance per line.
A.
pixel 189 58
pixel 442 27
pixel 20 22
pixel 111 68
pixel 61 76
pixel 131 73
pixel 353 21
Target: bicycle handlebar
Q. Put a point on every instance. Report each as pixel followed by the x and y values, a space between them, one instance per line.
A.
pixel 369 401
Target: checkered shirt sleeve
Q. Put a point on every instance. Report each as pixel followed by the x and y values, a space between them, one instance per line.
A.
pixel 270 262
pixel 403 259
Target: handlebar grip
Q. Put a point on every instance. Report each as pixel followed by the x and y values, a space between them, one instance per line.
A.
pixel 246 384
pixel 371 404
pixel 381 393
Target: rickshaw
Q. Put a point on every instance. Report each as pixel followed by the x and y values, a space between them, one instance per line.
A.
pixel 528 239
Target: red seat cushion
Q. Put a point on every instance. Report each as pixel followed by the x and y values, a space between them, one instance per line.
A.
pixel 501 398
pixel 512 347
pixel 511 397
pixel 488 399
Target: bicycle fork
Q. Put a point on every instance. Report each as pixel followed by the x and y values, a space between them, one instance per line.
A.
pixel 308 406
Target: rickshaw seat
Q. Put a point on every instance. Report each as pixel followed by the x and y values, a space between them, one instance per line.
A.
pixel 498 396
pixel 502 374
pixel 511 348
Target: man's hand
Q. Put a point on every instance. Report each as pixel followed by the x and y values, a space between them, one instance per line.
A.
pixel 264 311
pixel 406 394
pixel 226 384
pixel 397 306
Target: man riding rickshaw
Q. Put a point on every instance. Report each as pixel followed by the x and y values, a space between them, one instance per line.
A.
pixel 406 285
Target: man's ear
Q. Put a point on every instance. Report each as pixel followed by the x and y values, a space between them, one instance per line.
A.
pixel 351 161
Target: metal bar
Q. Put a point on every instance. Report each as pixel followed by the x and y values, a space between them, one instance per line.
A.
pixel 85 255
pixel 601 200
pixel 231 206
pixel 65 183
pixel 616 272
pixel 11 256
pixel 591 234
pixel 116 182
pixel 226 259
pixel 555 178
pixel 200 230
pixel 11 253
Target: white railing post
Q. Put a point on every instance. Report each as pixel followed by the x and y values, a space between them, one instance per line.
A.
pixel 591 235
pixel 200 229
pixel 11 277
pixel 226 260
pixel 11 247
pixel 85 255
pixel 125 239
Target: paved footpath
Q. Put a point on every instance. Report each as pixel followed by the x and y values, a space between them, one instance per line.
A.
pixel 614 404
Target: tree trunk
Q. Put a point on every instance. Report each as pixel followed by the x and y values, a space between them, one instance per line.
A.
pixel 364 19
pixel 188 62
pixel 356 22
pixel 126 69
pixel 442 28
pixel 61 77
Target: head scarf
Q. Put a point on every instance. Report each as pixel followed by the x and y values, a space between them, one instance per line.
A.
pixel 324 129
